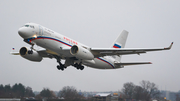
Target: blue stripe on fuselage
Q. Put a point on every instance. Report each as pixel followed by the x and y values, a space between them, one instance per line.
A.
pixel 42 37
pixel 105 62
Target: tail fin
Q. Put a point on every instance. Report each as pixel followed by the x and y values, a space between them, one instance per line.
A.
pixel 120 43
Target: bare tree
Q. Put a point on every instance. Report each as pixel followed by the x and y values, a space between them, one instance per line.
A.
pixel 47 93
pixel 29 92
pixel 138 93
pixel 144 92
pixel 69 94
pixel 150 90
pixel 128 90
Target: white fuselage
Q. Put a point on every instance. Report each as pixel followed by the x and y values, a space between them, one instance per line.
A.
pixel 56 43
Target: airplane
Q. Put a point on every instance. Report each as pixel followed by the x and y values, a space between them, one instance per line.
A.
pixel 60 47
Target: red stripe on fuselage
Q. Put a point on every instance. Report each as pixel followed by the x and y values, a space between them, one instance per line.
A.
pixel 52 39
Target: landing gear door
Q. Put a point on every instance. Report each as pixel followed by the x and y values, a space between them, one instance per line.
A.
pixel 40 31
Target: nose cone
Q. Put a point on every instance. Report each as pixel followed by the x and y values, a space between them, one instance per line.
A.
pixel 24 32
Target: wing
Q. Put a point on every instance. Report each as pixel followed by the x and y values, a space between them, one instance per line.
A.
pixel 98 52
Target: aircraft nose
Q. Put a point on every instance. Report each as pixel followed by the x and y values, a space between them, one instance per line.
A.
pixel 23 33
pixel 20 31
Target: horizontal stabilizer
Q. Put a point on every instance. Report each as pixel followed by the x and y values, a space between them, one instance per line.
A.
pixel 132 63
pixel 14 53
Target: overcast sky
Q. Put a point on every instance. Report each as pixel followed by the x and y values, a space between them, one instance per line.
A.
pixel 95 23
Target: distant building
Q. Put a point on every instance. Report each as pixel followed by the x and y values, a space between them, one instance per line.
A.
pixel 106 97
pixel 114 97
pixel 102 97
pixel 169 95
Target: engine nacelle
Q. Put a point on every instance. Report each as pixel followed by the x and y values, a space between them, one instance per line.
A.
pixel 81 53
pixel 29 54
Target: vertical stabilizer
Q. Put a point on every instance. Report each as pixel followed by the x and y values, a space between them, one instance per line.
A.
pixel 120 43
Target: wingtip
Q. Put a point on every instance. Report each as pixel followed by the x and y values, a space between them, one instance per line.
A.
pixel 169 46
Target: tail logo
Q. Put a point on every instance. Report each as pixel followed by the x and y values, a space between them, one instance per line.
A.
pixel 116 46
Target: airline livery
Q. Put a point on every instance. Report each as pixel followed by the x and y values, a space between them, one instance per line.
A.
pixel 60 47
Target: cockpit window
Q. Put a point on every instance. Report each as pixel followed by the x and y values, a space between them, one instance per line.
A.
pixel 29 26
pixel 26 25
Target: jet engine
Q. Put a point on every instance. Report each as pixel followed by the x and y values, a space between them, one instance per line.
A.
pixel 29 54
pixel 81 53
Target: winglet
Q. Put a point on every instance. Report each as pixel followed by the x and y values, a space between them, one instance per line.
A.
pixel 169 46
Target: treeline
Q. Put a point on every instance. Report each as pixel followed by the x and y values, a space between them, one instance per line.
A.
pixel 16 91
pixel 67 93
pixel 144 92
